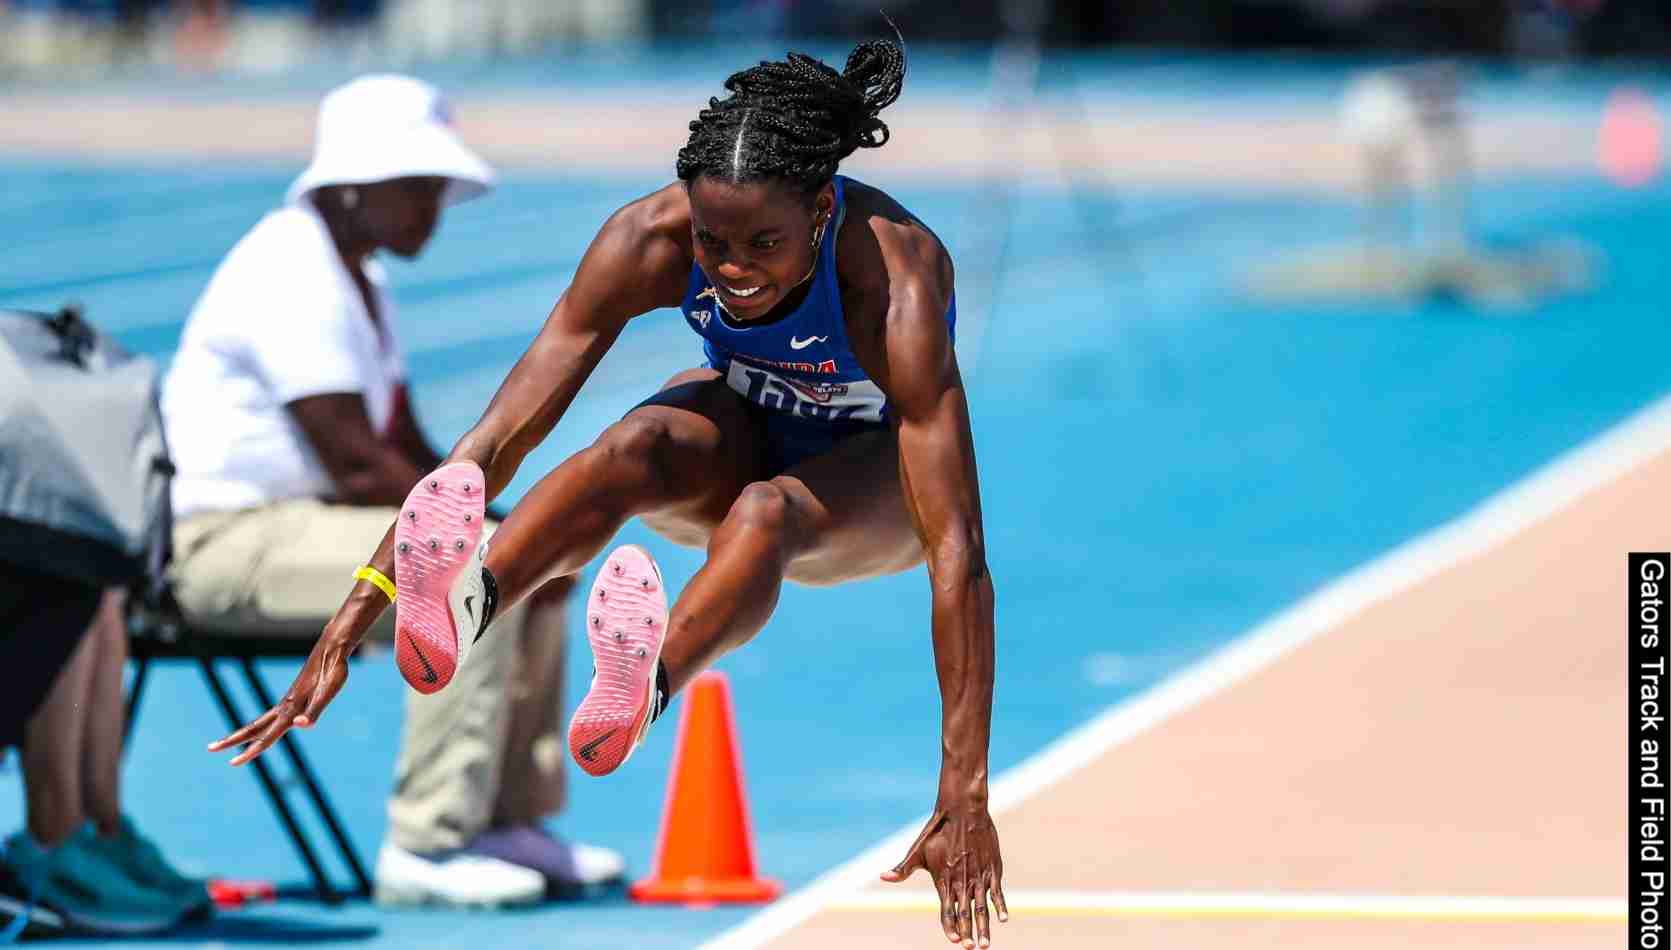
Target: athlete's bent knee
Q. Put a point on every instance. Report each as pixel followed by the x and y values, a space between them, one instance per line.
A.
pixel 639 435
pixel 763 507
pixel 634 450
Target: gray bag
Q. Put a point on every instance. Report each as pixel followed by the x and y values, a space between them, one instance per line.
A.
pixel 84 468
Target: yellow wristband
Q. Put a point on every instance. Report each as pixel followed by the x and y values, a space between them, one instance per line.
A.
pixel 369 573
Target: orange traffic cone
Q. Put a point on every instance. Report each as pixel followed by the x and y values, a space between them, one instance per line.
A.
pixel 706 853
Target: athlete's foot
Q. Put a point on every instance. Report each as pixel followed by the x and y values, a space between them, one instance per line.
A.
pixel 438 574
pixel 626 621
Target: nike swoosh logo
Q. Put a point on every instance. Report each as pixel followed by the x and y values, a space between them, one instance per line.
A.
pixel 429 671
pixel 796 343
pixel 471 612
pixel 589 749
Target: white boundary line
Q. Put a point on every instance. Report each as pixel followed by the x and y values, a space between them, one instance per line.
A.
pixel 1536 497
pixel 1269 906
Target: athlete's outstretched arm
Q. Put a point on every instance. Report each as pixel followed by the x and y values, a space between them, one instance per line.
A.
pixel 917 368
pixel 638 262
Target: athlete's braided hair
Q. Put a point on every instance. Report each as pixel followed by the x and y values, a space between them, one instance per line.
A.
pixel 795 118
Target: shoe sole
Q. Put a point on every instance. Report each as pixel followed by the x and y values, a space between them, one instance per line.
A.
pixel 38 921
pixel 416 897
pixel 436 535
pixel 626 624
pixel 100 924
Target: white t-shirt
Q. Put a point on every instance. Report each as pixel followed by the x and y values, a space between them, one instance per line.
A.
pixel 280 320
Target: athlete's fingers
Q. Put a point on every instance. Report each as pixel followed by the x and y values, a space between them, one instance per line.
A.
pixel 243 735
pixel 948 915
pixel 998 898
pixel 280 725
pixel 914 860
pixel 912 863
pixel 255 749
pixel 958 872
pixel 983 925
pixel 964 921
pixel 252 750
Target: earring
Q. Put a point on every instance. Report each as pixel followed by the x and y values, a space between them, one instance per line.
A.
pixel 818 232
pixel 350 198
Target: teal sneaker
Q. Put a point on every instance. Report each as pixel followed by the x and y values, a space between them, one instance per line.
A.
pixel 21 917
pixel 141 860
pixel 92 894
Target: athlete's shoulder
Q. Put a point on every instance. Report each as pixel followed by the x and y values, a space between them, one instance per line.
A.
pixel 884 245
pixel 659 217
pixel 639 261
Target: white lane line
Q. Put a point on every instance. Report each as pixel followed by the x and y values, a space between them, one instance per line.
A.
pixel 1266 906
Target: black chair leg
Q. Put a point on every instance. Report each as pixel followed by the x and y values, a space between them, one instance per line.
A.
pixel 299 764
pixel 142 666
pixel 327 893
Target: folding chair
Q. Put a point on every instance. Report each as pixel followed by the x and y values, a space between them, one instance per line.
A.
pixel 156 631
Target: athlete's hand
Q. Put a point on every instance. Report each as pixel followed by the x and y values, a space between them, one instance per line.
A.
pixel 316 685
pixel 959 850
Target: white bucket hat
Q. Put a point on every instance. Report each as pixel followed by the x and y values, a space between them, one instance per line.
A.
pixel 376 128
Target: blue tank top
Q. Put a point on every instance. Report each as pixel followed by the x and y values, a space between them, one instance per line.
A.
pixel 800 366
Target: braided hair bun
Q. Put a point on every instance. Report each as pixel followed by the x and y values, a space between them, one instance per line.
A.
pixel 795 118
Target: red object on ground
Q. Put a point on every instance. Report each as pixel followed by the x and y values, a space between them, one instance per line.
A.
pixel 238 893
pixel 705 854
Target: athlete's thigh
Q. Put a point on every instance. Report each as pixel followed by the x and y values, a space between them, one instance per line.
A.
pixel 851 501
pixel 715 445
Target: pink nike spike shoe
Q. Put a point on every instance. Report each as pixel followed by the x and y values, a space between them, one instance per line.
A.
pixel 626 622
pixel 436 540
